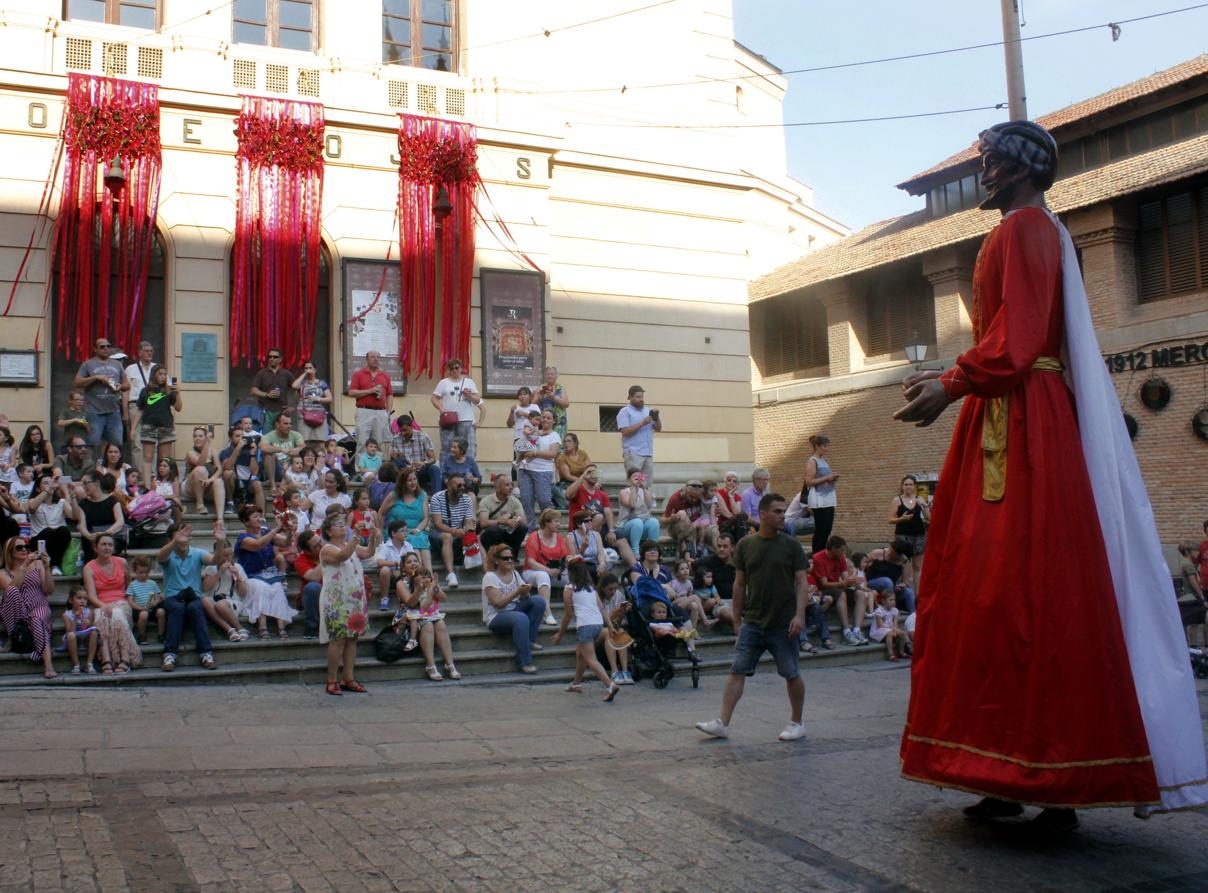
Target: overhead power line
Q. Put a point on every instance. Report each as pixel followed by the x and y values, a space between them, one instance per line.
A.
pixel 1113 28
pixel 977 108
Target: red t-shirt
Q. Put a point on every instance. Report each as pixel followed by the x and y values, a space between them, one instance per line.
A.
pixel 593 502
pixel 302 564
pixel 363 380
pixel 827 568
pixel 677 503
pixel 1204 565
pixel 543 554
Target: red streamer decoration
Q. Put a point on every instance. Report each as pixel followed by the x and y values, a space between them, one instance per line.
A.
pixel 277 229
pixel 103 257
pixel 435 153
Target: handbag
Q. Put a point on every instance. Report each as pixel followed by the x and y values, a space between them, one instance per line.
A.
pixel 21 638
pixel 471 551
pixel 389 646
pixel 314 418
pixel 449 418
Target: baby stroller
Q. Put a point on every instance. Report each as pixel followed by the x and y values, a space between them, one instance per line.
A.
pixel 149 516
pixel 651 655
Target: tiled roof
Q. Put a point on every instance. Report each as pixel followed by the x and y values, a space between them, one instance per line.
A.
pixel 917 233
pixel 1079 111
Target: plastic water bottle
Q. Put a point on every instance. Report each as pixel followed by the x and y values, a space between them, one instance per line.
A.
pixel 79 563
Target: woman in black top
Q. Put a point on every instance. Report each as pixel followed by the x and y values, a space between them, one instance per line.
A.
pixel 100 512
pixel 36 450
pixel 157 426
pixel 909 514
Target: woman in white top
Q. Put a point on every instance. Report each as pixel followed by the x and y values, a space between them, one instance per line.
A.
pixel 536 477
pixel 49 509
pixel 583 603
pixel 458 393
pixel 508 608
pixel 334 492
pixel 820 484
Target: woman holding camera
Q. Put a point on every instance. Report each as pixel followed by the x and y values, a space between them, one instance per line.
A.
pixel 157 426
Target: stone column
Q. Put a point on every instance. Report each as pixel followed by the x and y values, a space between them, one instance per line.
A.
pixel 1106 238
pixel 846 354
pixel 951 278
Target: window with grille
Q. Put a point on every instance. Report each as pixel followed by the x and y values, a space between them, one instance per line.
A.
pixel 899 308
pixel 150 63
pixel 308 82
pixel 131 13
pixel 288 24
pixel 788 335
pixel 115 58
pixel 608 419
pixel 1172 244
pixel 398 94
pixel 79 54
pixel 420 33
pixel 243 73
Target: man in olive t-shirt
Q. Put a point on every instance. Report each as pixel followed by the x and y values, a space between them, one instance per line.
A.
pixel 770 594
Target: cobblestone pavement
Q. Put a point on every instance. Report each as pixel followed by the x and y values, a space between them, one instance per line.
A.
pixel 525 788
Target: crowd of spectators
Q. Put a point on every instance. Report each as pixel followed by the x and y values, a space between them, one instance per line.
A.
pixel 534 528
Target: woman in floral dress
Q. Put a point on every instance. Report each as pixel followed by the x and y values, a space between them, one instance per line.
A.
pixel 343 607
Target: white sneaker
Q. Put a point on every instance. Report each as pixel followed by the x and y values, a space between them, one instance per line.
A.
pixel 715 728
pixel 792 732
pixel 550 620
pixel 451 580
pixel 849 637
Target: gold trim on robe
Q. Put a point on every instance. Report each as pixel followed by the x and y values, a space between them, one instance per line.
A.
pixel 994 436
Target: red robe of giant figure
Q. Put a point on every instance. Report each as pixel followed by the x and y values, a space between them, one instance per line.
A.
pixel 1022 687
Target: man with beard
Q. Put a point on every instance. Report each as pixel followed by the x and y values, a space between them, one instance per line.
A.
pixel 1033 527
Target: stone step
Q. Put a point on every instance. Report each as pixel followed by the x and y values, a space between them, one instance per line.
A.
pixel 491 667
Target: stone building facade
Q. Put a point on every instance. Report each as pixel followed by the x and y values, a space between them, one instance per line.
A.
pixel 828 330
pixel 648 235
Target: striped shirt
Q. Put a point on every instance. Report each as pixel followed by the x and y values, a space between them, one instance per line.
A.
pixel 453 515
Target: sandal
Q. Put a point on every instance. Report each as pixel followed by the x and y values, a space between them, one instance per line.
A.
pixel 451 672
pixel 574 688
pixel 282 635
pixel 106 668
pixel 264 634
pixel 433 674
pixel 353 686
pixel 808 647
pixel 233 635
pixel 51 674
pixel 122 667
pixel 333 689
pixel 611 693
pixel 411 645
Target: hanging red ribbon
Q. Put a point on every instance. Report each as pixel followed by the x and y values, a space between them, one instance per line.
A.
pixel 435 153
pixel 277 230
pixel 103 259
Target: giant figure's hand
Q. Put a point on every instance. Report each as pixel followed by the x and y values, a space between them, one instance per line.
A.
pixel 915 377
pixel 926 400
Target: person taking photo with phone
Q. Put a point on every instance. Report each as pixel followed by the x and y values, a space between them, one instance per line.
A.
pixel 637 424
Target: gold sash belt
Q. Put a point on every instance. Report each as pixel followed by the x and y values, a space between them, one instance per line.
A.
pixel 994 436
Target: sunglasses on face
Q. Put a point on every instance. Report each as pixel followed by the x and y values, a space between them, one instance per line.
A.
pixel 506 558
pixel 20 547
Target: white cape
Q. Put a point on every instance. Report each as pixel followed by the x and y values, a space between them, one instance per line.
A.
pixel 1153 633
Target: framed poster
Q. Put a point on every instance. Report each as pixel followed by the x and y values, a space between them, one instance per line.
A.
pixel 513 330
pixel 198 356
pixel 371 320
pixel 18 368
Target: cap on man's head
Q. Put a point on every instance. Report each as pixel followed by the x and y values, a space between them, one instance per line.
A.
pixel 636 389
pixel 694 485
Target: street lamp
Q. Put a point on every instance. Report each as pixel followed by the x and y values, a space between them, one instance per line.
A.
pixel 916 351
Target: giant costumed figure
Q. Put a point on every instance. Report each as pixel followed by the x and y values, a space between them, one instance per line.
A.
pixel 1051 667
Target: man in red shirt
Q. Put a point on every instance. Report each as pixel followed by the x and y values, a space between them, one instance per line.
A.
pixel 372 389
pixel 689 513
pixel 585 494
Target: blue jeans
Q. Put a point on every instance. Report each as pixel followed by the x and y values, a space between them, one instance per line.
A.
pixel 106 426
pixel 176 611
pixel 535 487
pixel 905 595
pixel 523 623
pixel 798 526
pixel 310 608
pixel 635 530
pixel 754 640
pixel 814 615
pixel 463 429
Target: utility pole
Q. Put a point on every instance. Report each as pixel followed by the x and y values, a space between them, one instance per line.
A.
pixel 1017 95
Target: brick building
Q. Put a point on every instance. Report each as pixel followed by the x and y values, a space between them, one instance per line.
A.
pixel 828 329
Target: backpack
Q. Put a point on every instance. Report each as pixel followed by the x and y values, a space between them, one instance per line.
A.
pixel 145 506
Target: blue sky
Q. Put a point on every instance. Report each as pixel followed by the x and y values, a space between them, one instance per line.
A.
pixel 853 167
